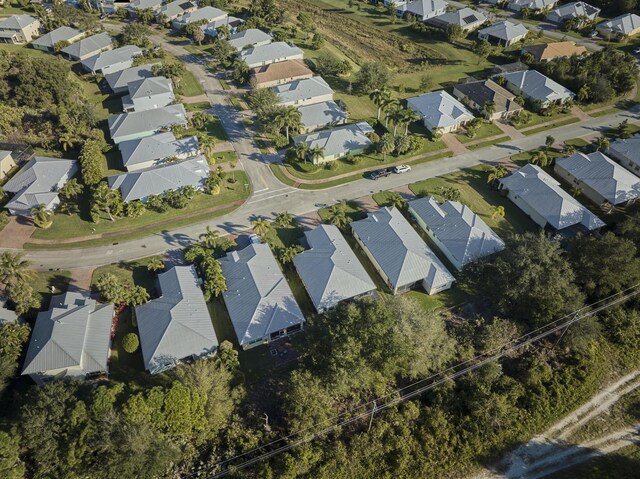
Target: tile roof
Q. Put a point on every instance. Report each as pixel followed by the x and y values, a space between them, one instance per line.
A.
pixel 399 251
pixel 505 30
pixel 74 333
pixel 440 109
pixel 601 174
pixel 544 196
pixel 339 140
pixel 462 232
pixel 49 40
pixel 304 89
pixel 258 297
pixel 538 86
pixel 140 184
pixel 280 71
pixel 156 147
pixel 176 325
pixel 548 51
pixel 248 37
pixel 481 92
pixel 330 270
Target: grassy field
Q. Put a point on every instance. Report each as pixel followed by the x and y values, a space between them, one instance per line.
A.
pixel 77 225
pixel 476 193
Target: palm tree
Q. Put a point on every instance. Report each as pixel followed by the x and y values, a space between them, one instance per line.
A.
pixel 42 216
pixel 223 32
pixel 488 109
pixel 207 143
pixel 496 173
pixel 541 159
pixel 199 119
pixel 397 201
pixel 389 104
pixel 137 295
pixel 145 15
pixel 14 269
pixel 379 97
pixel 568 149
pixel 301 151
pixel 583 93
pixel 287 254
pixel 71 189
pixel 289 118
pixel 156 264
pixel 410 116
pixel 386 145
pixel 338 215
pixel 576 191
pixel 602 143
pixel 178 130
pixel 210 237
pixel 67 140
pixel 284 219
pixel 316 153
pixel 497 211
pixel 397 116
pixel 261 226
pixel 437 133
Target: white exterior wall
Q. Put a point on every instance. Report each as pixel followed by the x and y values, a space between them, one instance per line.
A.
pixel 624 161
pixel 538 219
pixel 299 56
pixel 589 192
pixel 309 101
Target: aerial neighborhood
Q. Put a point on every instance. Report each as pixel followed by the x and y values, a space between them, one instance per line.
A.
pixel 319 238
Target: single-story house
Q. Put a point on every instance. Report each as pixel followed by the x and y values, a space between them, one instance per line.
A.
pixel 119 81
pixel 208 14
pixel 19 29
pixel 330 270
pixel 540 197
pixel 626 25
pixel 259 300
pixel 503 33
pixel 460 234
pixel 48 41
pixel 304 92
pixel 533 5
pixel 175 327
pixel 7 163
pixel 627 152
pixel 399 254
pixel 148 94
pixel 211 29
pixel 549 51
pixel 270 53
pixel 137 5
pixel 112 60
pixel 536 87
pixel 251 37
pixel 88 47
pixel 583 12
pixel 508 68
pixel 138 124
pixel 440 110
pixel 278 73
pixel 466 18
pixel 338 142
pixel 322 115
pixel 157 180
pixel 71 340
pixel 479 93
pixel 173 10
pixel 154 150
pixel 108 6
pixel 38 183
pixel 601 179
pixel 422 9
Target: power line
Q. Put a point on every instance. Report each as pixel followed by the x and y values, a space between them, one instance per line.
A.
pixel 454 372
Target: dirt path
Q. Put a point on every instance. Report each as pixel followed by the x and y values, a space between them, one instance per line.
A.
pixel 550 452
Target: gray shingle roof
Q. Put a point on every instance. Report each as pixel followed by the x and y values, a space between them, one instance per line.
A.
pixel 17 22
pixel 122 78
pixel 399 251
pixel 544 196
pixel 320 114
pixel 176 8
pixel 304 89
pixel 49 40
pixel 423 8
pixel 212 27
pixel 36 182
pixel 176 325
pixel 465 18
pixel 140 184
pixel 258 297
pixel 339 140
pixel 269 53
pixel 147 122
pixel 533 4
pixel 208 14
pixel 573 10
pixel 89 45
pixel 622 25
pixel 108 59
pixel 330 270
pixel 156 147
pixel 505 30
pixel 603 175
pixel 246 38
pixel 462 232
pixel 440 109
pixel 628 149
pixel 538 86
pixel 144 4
pixel 74 332
pixel 149 87
pixel 481 92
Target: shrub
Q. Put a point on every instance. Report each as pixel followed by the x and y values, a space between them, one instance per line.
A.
pixel 280 142
pixel 331 165
pixel 130 343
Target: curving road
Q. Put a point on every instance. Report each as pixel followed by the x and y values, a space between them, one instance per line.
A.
pixel 269 196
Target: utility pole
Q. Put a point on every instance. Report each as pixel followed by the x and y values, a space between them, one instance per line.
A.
pixel 372 413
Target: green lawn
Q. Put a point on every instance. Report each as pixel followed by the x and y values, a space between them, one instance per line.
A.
pixel 476 193
pixel 537 119
pixel 555 124
pixel 213 127
pixel 76 225
pixel 189 85
pixel 446 299
pixel 44 280
pixel 486 130
pixel 224 157
pixel 202 105
pixel 485 144
pixel 353 212
pixel 132 272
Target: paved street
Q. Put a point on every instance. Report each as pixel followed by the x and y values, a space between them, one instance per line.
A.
pixel 270 197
